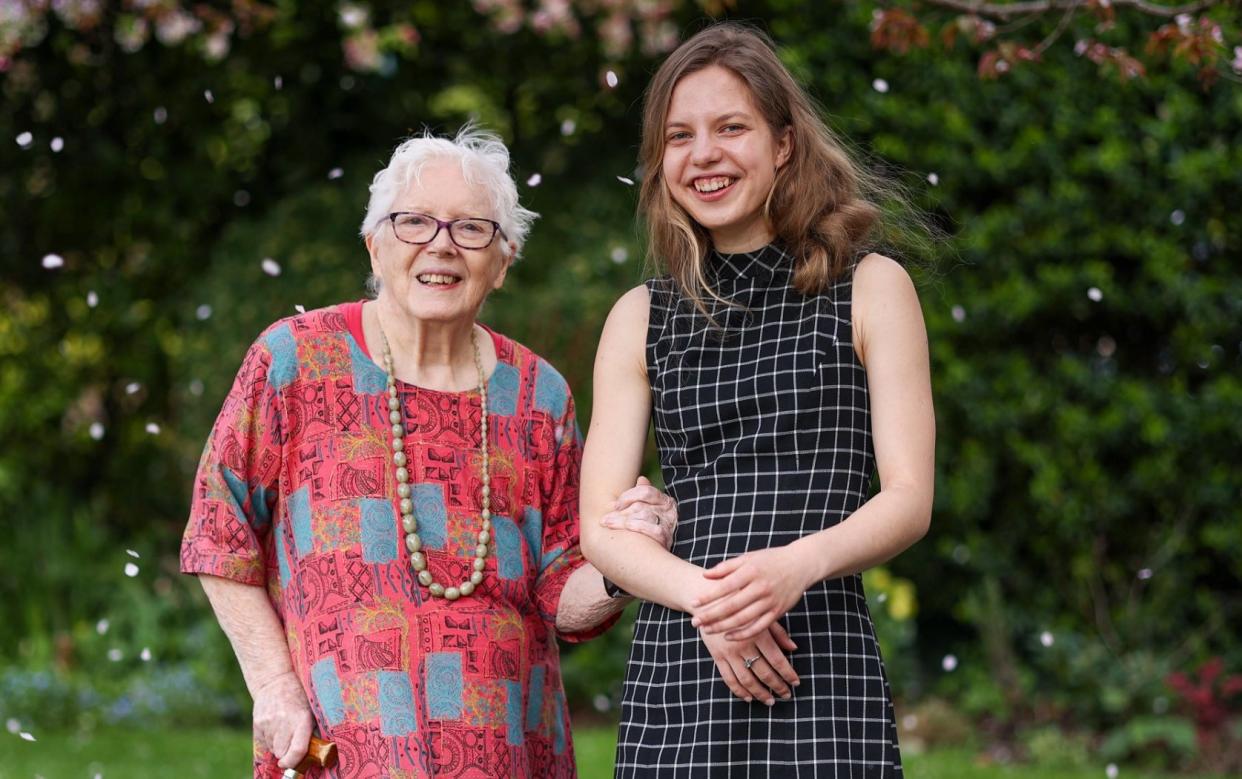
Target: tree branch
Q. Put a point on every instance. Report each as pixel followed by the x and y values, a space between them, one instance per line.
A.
pixel 1006 11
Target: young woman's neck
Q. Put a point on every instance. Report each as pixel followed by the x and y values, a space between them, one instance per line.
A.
pixel 742 238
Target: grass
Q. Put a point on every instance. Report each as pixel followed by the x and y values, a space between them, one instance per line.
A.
pixel 225 754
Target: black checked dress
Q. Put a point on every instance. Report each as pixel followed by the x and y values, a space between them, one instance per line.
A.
pixel 764 436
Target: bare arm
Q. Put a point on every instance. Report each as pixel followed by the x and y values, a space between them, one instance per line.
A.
pixel 891 340
pixel 282 717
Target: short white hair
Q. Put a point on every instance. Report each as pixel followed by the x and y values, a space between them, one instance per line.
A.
pixel 484 160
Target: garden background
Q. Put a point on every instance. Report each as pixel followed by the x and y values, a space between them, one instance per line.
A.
pixel 174 177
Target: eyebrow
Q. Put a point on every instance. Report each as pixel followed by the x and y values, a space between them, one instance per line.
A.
pixel 718 119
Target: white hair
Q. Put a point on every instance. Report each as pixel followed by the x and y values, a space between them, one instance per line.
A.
pixel 484 160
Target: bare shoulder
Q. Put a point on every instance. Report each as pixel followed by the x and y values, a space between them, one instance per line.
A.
pixel 632 308
pixel 884 302
pixel 625 332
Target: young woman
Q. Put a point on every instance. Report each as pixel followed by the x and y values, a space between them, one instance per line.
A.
pixel 783 364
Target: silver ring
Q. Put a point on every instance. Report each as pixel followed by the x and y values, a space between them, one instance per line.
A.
pixel 290 774
pixel 751 661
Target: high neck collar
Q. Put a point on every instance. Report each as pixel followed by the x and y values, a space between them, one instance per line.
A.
pixel 767 263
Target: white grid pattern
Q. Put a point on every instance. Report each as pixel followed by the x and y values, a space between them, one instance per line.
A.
pixel 764 436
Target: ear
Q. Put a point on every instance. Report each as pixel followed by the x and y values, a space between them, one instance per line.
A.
pixel 784 147
pixel 373 250
pixel 506 261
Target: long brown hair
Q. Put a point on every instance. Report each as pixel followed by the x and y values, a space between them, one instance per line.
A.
pixel 822 206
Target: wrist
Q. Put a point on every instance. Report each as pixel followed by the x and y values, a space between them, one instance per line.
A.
pixel 810 560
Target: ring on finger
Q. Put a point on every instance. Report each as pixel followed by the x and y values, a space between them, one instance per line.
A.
pixel 751 661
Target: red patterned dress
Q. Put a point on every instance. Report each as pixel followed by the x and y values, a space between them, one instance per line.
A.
pixel 296 493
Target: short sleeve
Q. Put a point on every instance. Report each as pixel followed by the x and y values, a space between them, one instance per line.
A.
pixel 562 554
pixel 236 488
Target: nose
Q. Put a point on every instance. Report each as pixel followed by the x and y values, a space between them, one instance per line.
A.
pixel 705 150
pixel 443 242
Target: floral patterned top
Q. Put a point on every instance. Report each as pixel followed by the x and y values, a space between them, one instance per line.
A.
pixel 296 493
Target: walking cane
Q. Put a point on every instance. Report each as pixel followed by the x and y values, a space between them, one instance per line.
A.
pixel 320 754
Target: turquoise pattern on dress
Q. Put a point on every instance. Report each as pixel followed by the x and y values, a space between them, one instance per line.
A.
pixel 282 560
pixel 509 562
pixel 369 378
pixel 502 390
pixel 558 725
pixel 513 713
pixel 396 700
pixel 259 508
pixel 327 686
pixel 379 533
pixel 284 350
pixel 534 707
pixel 431 514
pixel 532 528
pixel 551 391
pixel 443 685
pixel 300 513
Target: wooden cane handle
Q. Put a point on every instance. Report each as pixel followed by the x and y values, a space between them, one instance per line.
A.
pixel 320 754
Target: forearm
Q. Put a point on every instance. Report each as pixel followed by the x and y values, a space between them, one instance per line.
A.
pixel 248 619
pixel 584 603
pixel 640 566
pixel 882 528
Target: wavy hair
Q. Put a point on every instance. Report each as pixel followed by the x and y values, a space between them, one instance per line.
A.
pixel 823 205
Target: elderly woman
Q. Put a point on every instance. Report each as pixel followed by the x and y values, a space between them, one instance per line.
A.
pixel 392 564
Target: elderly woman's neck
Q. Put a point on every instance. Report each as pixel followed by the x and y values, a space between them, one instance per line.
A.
pixel 436 355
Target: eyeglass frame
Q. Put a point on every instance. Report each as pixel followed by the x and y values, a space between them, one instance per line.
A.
pixel 442 224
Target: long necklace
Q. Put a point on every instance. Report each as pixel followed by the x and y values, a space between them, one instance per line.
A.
pixel 409 522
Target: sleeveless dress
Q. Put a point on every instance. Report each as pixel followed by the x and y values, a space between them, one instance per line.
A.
pixel 764 435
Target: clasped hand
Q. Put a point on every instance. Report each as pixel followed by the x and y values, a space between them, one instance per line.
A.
pixel 748 593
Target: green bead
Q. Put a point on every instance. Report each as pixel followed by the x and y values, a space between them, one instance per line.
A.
pixel 402 474
pixel 394 405
pixel 408 523
pixel 484 536
pixel 398 429
pixel 403 490
pixel 467 588
pixel 394 416
pixel 487 514
pixel 479 565
pixel 424 578
pixel 399 458
pixel 452 593
pixel 437 589
pixel 476 578
pixel 417 559
pixel 398 444
pixel 481 551
pixel 407 506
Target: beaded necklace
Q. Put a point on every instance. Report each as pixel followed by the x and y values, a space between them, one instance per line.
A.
pixel 409 522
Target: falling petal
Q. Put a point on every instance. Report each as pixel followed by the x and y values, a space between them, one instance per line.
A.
pixel 1111 771
pixel 881 598
pixel 1095 294
pixel 101 627
pixel 949 662
pixel 153 428
pixel 26 736
pixel 278 82
pixel 241 198
pixel 601 703
pixel 933 179
pixel 1046 638
pixel 203 312
pixel 1177 217
pixel 1081 47
pixel 610 78
pixel 57 144
pixel 132 388
pixel 301 309
pixel 210 98
pixel 92 299
pixel 534 180
pixel 959 314
pixel 196 387
pixel 132 553
pixel 145 655
pixel 131 570
pixel 25 139
pixel 910 721
pixel 619 254
pixel 568 126
pixel 53 261
pixel 335 173
pixel 271 267
pixel 626 181
pixel 115 655
pixel 880 85
pixel 160 115
pixel 1144 574
pixel 97 430
pixel 13 725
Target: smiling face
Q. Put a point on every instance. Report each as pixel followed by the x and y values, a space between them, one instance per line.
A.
pixel 721 157
pixel 439 281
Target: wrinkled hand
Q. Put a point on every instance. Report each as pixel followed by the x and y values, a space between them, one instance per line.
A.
pixel 769 673
pixel 283 722
pixel 748 593
pixel 644 509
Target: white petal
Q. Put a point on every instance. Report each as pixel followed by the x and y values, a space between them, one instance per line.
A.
pixel 92 299
pixel 97 431
pixel 153 428
pixel 335 173
pixel 949 662
pixel 203 312
pixel 271 267
pixel 611 79
pixel 626 181
pixel 26 736
pixel 57 144
pixel 933 179
pixel 880 85
pixel 132 387
pixel 53 261
pixel 131 570
pixel 210 98
pixel 25 139
pixel 534 180
pixel 1095 294
pixel 132 553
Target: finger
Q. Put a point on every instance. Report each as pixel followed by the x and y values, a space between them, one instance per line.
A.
pixel 723 608
pixel 722 570
pixel 641 494
pixel 751 682
pixel 743 618
pixel 730 680
pixel 299 742
pixel 281 736
pixel 713 594
pixel 777 661
pixel 781 637
pixel 643 481
pixel 770 678
pixel 649 529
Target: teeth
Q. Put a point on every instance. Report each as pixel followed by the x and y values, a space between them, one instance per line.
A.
pixel 712 184
pixel 437 278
